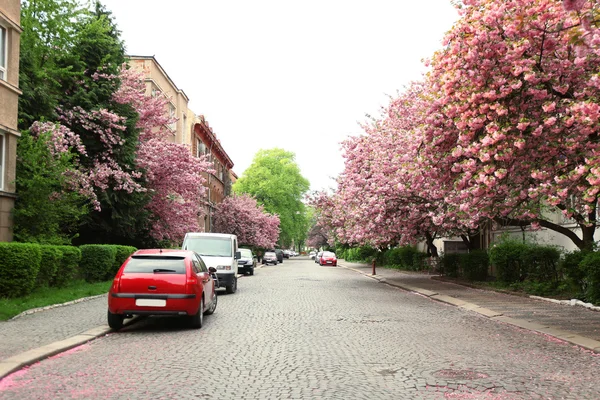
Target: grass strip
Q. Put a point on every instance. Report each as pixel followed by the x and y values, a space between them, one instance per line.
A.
pixel 47 296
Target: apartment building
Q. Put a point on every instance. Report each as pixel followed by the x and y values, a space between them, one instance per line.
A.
pixel 10 33
pixel 205 142
pixel 192 130
pixel 157 82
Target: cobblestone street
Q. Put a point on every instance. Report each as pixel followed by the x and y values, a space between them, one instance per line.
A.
pixel 301 331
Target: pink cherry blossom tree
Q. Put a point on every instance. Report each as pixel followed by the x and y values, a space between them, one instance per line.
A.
pixel 389 193
pixel 168 171
pixel 241 215
pixel 174 177
pixel 523 107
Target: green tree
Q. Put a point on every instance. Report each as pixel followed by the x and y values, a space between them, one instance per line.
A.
pixel 97 55
pixel 46 211
pixel 48 32
pixel 274 180
pixel 70 58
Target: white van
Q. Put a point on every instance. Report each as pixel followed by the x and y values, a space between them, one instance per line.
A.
pixel 218 250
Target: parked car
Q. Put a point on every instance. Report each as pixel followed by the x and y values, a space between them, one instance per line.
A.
pixel 279 254
pixel 270 258
pixel 163 282
pixel 247 262
pixel 287 254
pixel 312 254
pixel 318 256
pixel 218 250
pixel 328 258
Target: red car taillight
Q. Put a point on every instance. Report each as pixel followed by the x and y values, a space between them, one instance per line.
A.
pixel 192 280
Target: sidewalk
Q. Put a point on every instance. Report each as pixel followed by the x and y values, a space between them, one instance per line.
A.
pixel 573 324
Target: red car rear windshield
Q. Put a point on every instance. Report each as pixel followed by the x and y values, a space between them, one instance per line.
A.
pixel 155 264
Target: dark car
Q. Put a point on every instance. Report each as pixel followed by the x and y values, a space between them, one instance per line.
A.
pixel 247 262
pixel 163 282
pixel 270 258
pixel 279 254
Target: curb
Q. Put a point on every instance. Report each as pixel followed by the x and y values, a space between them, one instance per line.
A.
pixel 570 337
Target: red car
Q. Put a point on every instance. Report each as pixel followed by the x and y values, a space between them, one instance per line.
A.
pixel 328 258
pixel 163 282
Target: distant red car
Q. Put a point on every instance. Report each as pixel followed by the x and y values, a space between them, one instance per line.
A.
pixel 328 258
pixel 163 282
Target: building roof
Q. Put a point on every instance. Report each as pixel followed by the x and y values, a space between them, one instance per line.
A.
pixel 160 68
pixel 210 139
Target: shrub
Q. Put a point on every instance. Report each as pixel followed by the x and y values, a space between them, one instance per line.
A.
pixel 540 263
pixel 122 253
pixel 366 253
pixel 391 257
pixel 96 261
pixel 450 264
pixel 591 265
pixel 474 265
pixel 419 261
pixel 406 254
pixel 570 266
pixel 19 267
pixel 507 257
pixel 68 267
pixel 49 265
pixel 353 254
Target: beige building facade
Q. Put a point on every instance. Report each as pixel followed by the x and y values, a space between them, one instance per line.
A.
pixel 157 81
pixel 218 183
pixel 10 33
pixel 192 130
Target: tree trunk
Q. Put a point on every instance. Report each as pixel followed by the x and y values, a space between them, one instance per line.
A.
pixel 588 237
pixel 587 231
pixel 467 241
pixel 431 249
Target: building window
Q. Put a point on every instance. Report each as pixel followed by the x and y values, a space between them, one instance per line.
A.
pixel 200 148
pixel 2 157
pixel 154 91
pixel 184 128
pixel 172 116
pixel 3 52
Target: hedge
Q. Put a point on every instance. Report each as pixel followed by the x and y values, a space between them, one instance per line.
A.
pixel 474 265
pixel 68 268
pixel 517 262
pixel 591 266
pixel 97 261
pixel 19 267
pixel 122 253
pixel 49 266
pixel 451 264
pixel 541 263
pixel 507 257
pixel 570 266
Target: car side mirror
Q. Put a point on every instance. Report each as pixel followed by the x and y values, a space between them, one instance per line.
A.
pixel 238 255
pixel 212 270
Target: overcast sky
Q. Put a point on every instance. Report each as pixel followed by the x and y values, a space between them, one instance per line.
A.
pixel 299 75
